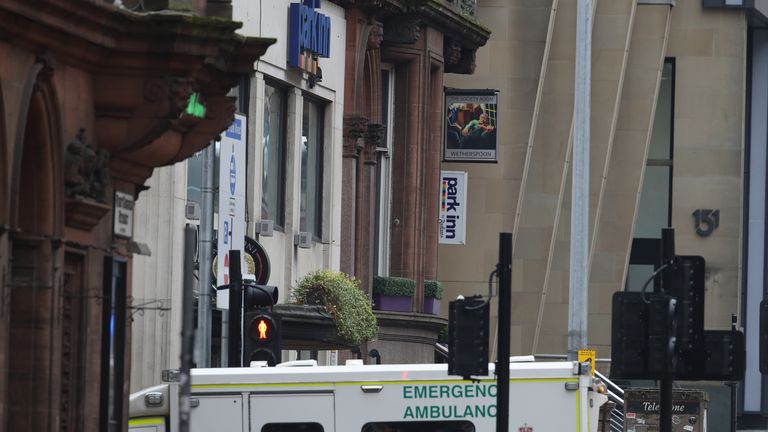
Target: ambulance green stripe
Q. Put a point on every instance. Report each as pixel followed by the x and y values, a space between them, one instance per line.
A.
pixel 356 383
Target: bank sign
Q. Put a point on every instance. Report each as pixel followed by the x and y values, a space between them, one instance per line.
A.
pixel 453 207
pixel 309 35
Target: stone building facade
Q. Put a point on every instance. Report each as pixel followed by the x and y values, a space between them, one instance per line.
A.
pixel 674 134
pixel 92 99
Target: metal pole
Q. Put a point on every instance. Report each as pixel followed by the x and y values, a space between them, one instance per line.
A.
pixel 665 400
pixel 235 358
pixel 578 292
pixel 504 273
pixel 187 328
pixel 203 348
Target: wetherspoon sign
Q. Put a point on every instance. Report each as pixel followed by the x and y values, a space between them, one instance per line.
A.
pixel 309 35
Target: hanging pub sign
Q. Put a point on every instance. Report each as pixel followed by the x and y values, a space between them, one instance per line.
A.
pixel 309 35
pixel 452 213
pixel 470 125
pixel 123 212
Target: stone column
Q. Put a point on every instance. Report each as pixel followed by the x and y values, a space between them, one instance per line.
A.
pixel 368 194
pixel 354 129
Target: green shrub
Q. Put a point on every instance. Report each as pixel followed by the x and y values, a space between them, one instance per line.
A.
pixel 442 335
pixel 394 286
pixel 342 297
pixel 433 289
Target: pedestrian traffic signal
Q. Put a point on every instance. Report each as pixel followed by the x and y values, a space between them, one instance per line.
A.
pixel 468 331
pixel 261 337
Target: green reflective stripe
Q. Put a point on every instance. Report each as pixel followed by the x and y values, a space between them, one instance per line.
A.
pixel 146 421
pixel 357 383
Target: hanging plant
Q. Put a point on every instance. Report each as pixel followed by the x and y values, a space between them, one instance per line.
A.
pixel 342 297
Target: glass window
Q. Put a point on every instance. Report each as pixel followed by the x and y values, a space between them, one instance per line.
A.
pixel 439 426
pixel 310 211
pixel 655 209
pixel 273 157
pixel 384 176
pixel 292 427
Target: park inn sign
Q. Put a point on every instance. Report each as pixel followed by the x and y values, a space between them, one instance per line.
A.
pixel 309 36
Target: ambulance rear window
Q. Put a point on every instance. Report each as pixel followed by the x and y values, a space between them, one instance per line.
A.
pixel 441 426
pixel 292 427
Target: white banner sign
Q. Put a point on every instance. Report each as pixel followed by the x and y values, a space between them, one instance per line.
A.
pixel 453 207
pixel 123 209
pixel 231 228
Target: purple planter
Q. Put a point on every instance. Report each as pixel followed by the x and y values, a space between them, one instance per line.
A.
pixel 392 303
pixel 431 306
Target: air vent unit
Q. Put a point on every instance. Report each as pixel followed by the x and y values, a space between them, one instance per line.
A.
pixel 192 210
pixel 303 240
pixel 265 227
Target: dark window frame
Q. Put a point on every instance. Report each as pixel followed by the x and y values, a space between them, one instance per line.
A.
pixel 322 106
pixel 279 218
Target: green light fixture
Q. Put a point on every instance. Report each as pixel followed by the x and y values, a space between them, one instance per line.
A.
pixel 194 107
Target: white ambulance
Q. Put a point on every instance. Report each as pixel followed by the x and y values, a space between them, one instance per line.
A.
pixel 544 397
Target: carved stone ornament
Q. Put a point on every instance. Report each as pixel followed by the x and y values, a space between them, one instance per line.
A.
pixel 373 139
pixel 451 51
pixel 402 30
pixel 354 130
pixel 466 65
pixel 376 35
pixel 87 170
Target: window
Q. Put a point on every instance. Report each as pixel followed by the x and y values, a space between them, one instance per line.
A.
pixel 273 156
pixel 655 210
pixel 384 175
pixel 311 204
pixel 439 426
pixel 292 427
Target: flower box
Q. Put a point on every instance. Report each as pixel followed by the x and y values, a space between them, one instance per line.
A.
pixel 392 303
pixel 393 293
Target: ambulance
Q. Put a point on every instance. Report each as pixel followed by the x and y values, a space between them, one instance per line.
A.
pixel 303 397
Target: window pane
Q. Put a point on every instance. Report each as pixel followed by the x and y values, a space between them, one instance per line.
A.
pixel 661 136
pixel 195 177
pixel 272 157
pixel 653 214
pixel 440 426
pixel 311 168
pixel 292 427
pixel 637 276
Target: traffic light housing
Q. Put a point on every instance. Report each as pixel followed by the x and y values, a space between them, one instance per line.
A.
pixel 261 337
pixel 662 335
pixel 629 336
pixel 256 296
pixel 261 327
pixel 468 331
pixel 688 287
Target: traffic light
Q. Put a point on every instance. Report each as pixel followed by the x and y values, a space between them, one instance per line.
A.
pixel 261 337
pixel 261 327
pixel 725 356
pixel 468 337
pixel 688 287
pixel 629 336
pixel 256 296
